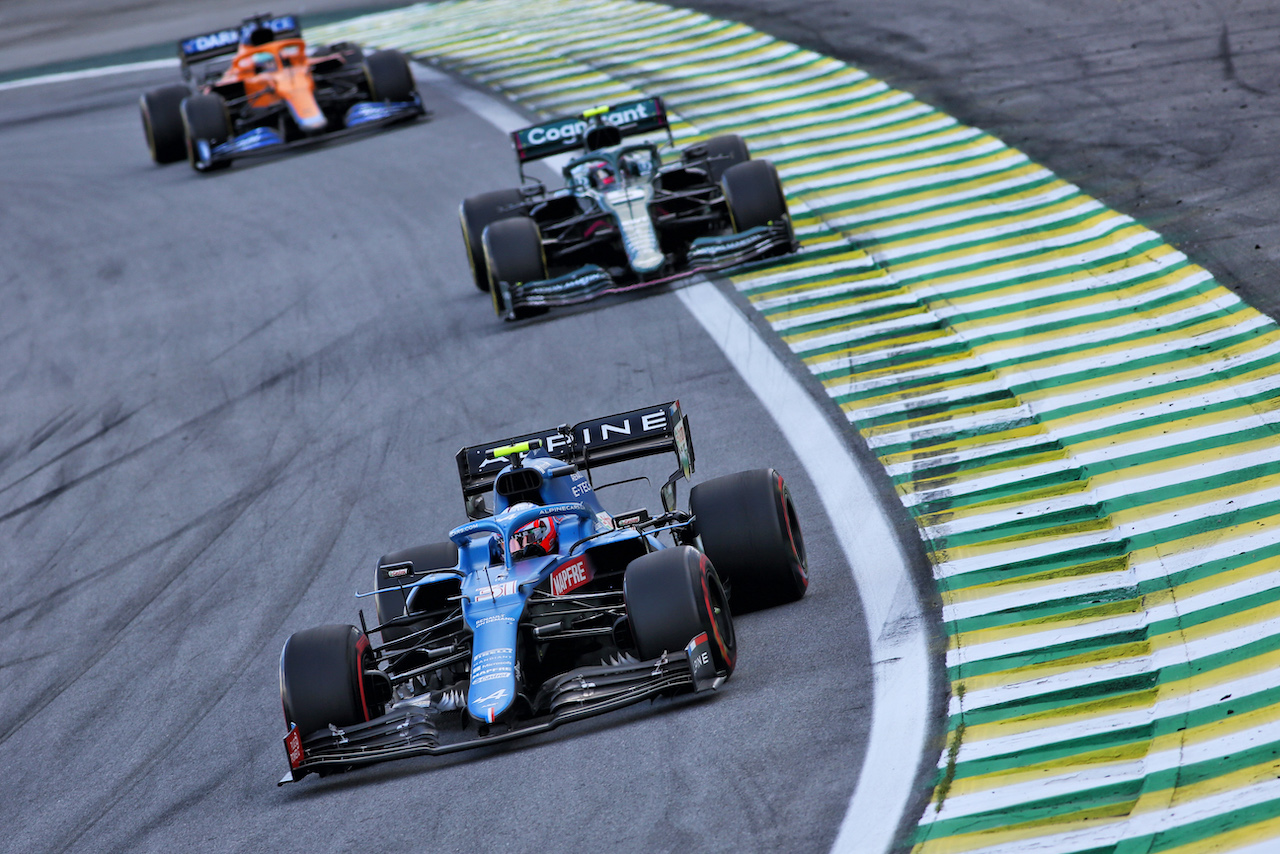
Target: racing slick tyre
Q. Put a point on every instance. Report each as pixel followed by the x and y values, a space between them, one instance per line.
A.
pixel 513 253
pixel 723 152
pixel 391 601
pixel 205 122
pixel 162 123
pixel 753 194
pixel 673 595
pixel 389 78
pixel 477 212
pixel 322 679
pixel 748 527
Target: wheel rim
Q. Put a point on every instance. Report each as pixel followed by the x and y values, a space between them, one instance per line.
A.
pixel 718 615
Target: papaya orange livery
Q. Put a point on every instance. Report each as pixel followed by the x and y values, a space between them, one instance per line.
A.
pixel 257 88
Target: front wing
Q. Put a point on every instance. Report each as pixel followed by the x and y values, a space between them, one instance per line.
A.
pixel 411 731
pixel 361 118
pixel 706 255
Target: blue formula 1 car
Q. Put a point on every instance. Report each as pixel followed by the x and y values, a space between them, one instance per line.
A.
pixel 624 219
pixel 257 89
pixel 548 609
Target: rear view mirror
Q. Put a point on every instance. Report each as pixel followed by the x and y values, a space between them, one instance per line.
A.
pixel 668 493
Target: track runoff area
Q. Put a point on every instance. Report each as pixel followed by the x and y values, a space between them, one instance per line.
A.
pixel 1080 420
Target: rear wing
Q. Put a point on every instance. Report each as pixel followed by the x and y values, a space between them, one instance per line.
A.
pixel 566 133
pixel 600 441
pixel 223 42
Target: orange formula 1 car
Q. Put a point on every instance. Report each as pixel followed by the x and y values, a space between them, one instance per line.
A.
pixel 272 93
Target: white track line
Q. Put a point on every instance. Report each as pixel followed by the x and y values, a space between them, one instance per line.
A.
pixel 881 570
pixel 87 73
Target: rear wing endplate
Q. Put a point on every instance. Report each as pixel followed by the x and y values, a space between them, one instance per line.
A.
pixel 566 133
pixel 600 441
pixel 222 42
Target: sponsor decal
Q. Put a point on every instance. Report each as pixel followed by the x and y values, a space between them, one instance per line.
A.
pixel 604 520
pixel 496 697
pixel 397 572
pixel 491 664
pixel 700 664
pixel 284 24
pixel 496 618
pixel 479 458
pixel 570 576
pixel 649 422
pixel 469 528
pixel 571 130
pixel 630 520
pixel 496 591
pixel 293 747
pixel 211 41
pixel 581 489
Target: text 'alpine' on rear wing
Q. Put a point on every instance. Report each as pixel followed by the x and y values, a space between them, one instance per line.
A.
pixel 222 42
pixel 600 441
pixel 566 134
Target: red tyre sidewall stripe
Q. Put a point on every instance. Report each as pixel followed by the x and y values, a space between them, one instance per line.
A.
pixel 362 646
pixel 725 655
pixel 786 526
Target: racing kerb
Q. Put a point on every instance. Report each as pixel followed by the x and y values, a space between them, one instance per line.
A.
pixel 1081 421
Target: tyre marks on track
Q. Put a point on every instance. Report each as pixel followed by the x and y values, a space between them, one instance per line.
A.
pixel 1080 419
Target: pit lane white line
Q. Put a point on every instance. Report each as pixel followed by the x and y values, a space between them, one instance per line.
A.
pixel 881 571
pixel 88 73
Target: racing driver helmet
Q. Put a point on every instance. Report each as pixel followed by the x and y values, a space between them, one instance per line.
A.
pixel 534 539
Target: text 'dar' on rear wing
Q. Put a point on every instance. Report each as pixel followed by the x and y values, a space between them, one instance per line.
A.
pixel 567 133
pixel 658 429
pixel 227 41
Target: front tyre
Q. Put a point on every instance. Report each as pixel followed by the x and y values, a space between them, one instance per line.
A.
pixel 477 212
pixel 206 124
pixel 162 123
pixel 391 600
pixel 513 254
pixel 389 77
pixel 748 527
pixel 723 152
pixel 674 595
pixel 753 194
pixel 322 678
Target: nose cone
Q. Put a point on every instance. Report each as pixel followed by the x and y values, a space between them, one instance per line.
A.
pixel 313 123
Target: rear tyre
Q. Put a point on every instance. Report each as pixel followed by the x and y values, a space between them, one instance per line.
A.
pixel 477 212
pixel 389 77
pixel 748 527
pixel 205 122
pixel 390 600
pixel 674 595
pixel 322 678
pixel 754 195
pixel 513 254
pixel 162 123
pixel 723 152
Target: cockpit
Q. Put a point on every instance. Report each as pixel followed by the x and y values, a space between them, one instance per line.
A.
pixel 609 169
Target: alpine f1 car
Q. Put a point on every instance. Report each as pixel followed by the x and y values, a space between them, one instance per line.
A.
pixel 544 609
pixel 624 219
pixel 256 89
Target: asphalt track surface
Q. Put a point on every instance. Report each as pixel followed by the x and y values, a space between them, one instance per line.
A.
pixel 225 396
pixel 221 419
